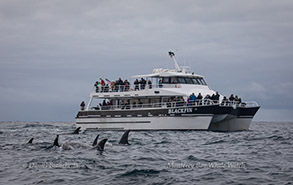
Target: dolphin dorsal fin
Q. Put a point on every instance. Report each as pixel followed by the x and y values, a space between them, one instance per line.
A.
pixel 102 144
pixel 77 130
pixel 124 138
pixel 31 140
pixel 96 140
pixel 56 141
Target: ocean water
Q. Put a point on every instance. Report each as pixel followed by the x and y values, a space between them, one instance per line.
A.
pixel 263 155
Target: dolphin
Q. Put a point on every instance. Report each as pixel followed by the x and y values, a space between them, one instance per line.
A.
pixel 77 130
pixel 31 141
pixel 101 144
pixel 56 141
pixel 95 141
pixel 124 138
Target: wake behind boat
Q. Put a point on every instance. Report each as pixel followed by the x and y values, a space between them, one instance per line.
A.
pixel 164 100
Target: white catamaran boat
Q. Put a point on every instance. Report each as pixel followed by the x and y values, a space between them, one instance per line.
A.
pixel 163 101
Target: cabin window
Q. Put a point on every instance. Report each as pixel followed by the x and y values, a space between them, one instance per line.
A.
pixel 166 80
pixel 202 81
pixel 181 80
pixel 174 80
pixel 195 81
pixel 188 81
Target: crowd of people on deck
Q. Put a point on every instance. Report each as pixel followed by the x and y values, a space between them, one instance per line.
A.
pixel 215 98
pixel 121 86
pixel 174 102
pixel 112 86
pixel 141 84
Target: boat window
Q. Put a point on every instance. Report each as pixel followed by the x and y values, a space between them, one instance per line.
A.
pixel 174 80
pixel 195 81
pixel 181 80
pixel 188 81
pixel 166 80
pixel 202 81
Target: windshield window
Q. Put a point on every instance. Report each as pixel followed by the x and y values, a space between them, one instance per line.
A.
pixel 188 80
pixel 195 81
pixel 174 80
pixel 181 80
pixel 202 82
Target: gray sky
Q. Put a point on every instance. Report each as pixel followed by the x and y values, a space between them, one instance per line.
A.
pixel 52 52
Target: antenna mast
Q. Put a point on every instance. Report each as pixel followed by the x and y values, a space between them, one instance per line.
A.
pixel 172 55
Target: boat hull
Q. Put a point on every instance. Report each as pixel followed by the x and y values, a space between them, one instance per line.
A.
pixel 205 117
pixel 195 122
pixel 239 119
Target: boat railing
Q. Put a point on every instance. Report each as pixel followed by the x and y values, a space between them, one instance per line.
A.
pixel 127 88
pixel 176 104
pixel 238 104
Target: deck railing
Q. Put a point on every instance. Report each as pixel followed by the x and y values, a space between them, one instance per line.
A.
pixel 127 88
pixel 204 102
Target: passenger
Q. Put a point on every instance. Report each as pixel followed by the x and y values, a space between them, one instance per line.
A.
pixel 113 85
pixel 110 104
pixel 225 101
pixel 127 105
pixel 142 83
pixel 99 87
pixel 237 100
pixel 134 104
pixel 193 98
pixel 104 105
pixel 160 84
pixel 150 84
pixel 126 83
pixel 140 104
pixel 232 99
pixel 102 84
pixel 136 84
pixel 199 98
pixel 82 105
pixel 207 99
pixel 96 85
pixel 189 101
pixel 216 97
pixel 120 85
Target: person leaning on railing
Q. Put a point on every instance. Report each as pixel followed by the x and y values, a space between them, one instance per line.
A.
pixel 160 84
pixel 82 105
pixel 150 84
pixel 136 84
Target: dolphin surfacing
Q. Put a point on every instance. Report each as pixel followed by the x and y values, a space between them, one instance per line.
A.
pixel 56 141
pixel 95 141
pixel 77 130
pixel 101 145
pixel 31 141
pixel 124 138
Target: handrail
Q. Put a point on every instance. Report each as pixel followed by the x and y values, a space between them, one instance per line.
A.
pixel 127 88
pixel 203 102
pixel 153 105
